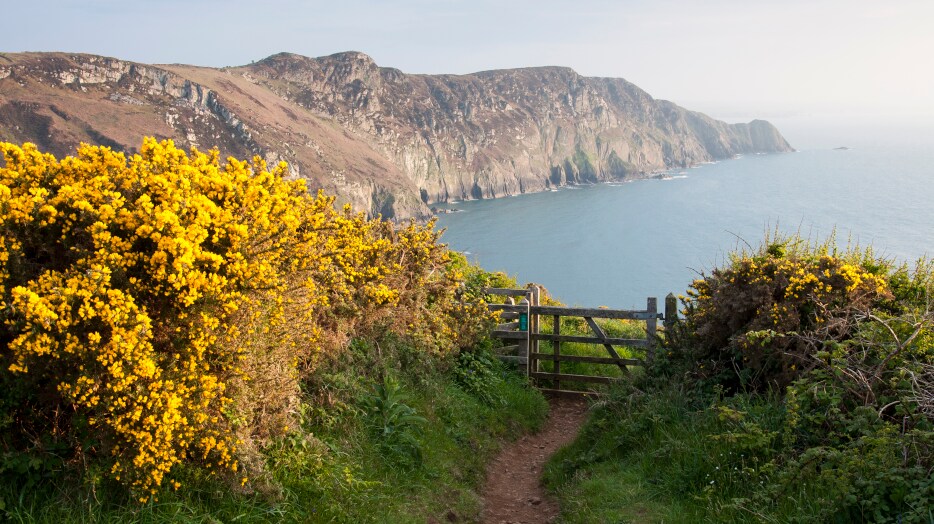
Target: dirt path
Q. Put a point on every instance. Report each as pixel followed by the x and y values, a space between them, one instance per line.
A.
pixel 513 493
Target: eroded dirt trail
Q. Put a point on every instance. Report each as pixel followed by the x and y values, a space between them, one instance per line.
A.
pixel 513 493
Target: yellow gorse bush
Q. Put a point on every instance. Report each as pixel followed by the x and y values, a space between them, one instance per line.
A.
pixel 142 295
pixel 767 314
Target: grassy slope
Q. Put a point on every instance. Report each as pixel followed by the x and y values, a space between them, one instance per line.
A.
pixel 742 441
pixel 661 457
pixel 335 470
pixel 665 455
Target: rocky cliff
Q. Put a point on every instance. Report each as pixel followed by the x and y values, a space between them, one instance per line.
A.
pixel 386 141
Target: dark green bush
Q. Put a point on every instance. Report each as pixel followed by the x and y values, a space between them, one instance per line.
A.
pixel 798 388
pixel 759 322
pixel 478 373
pixel 396 426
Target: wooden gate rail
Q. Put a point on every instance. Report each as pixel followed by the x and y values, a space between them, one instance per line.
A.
pixel 591 340
pixel 617 314
pixel 507 292
pixel 588 359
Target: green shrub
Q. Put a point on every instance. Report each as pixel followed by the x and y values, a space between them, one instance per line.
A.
pixel 476 373
pixel 759 322
pixel 798 388
pixel 396 425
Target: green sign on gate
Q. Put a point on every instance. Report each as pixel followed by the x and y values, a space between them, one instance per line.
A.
pixel 523 321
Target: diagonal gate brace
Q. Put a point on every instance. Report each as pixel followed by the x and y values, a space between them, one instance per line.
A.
pixel 609 347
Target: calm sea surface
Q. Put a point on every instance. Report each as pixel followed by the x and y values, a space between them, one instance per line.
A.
pixel 615 244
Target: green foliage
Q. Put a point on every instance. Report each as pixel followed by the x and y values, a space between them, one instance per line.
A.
pixel 677 458
pixel 476 279
pixel 878 477
pixel 396 425
pixel 334 466
pixel 759 322
pixel 476 373
pixel 667 448
pixel 797 389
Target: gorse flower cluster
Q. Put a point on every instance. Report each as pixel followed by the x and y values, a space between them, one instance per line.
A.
pixel 820 364
pixel 162 309
pixel 762 318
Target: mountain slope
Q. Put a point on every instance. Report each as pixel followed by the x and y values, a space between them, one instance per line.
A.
pixel 383 140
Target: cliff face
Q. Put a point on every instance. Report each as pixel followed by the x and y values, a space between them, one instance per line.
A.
pixel 58 100
pixel 505 132
pixel 385 141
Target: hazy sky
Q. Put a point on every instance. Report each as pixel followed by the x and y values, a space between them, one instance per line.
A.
pixel 728 58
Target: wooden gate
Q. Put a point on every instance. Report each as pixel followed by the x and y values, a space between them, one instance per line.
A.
pixel 524 329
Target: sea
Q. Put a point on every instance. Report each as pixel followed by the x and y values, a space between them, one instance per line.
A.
pixel 865 182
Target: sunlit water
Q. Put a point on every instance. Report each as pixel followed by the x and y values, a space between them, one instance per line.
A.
pixel 615 244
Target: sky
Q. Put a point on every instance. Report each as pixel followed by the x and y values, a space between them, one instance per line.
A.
pixel 842 60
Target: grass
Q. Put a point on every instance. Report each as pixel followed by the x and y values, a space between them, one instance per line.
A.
pixel 667 456
pixel 754 415
pixel 617 493
pixel 661 457
pixel 336 469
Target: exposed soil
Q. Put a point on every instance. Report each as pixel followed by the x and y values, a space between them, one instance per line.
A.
pixel 513 493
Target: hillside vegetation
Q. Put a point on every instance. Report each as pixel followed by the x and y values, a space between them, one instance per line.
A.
pixel 797 388
pixel 189 339
pixel 186 339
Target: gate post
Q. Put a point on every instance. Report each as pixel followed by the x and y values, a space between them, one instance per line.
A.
pixel 523 349
pixel 534 327
pixel 671 310
pixel 651 323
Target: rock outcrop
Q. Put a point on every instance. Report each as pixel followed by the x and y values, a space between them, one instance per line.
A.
pixel 386 141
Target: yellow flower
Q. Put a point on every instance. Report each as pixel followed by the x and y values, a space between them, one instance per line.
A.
pixel 151 261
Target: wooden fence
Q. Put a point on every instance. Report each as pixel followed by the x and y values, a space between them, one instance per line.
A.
pixel 523 327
